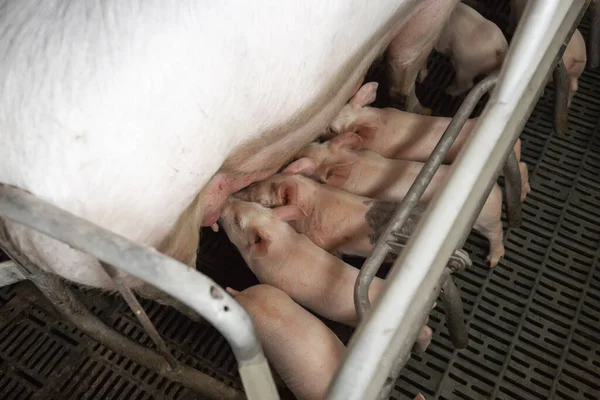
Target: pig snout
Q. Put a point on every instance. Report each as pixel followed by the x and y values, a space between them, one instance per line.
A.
pixel 220 187
pixel 304 352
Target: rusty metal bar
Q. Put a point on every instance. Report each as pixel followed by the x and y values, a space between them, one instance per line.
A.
pixel 140 314
pixel 593 45
pixel 455 314
pixel 512 191
pixel 561 97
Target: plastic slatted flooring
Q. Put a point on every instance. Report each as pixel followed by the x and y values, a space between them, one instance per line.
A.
pixel 534 322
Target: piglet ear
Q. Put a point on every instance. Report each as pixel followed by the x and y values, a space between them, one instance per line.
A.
pixel 287 193
pixel 289 213
pixel 348 140
pixel 365 95
pixel 337 175
pixel 259 241
pixel 304 166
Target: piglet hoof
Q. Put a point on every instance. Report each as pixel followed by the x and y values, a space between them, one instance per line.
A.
pixel 454 90
pixel 495 255
pixel 423 340
pixel 525 188
pixel 426 111
pixel 419 396
pixel 423 74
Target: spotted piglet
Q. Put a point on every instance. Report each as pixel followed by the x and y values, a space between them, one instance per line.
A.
pixel 342 163
pixel 333 219
pixel 290 261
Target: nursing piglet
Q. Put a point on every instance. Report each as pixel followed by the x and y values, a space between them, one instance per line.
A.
pixel 340 162
pixel 397 134
pixel 333 219
pixel 281 257
pixel 303 350
pixel 475 45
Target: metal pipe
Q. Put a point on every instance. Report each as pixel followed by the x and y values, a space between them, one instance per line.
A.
pixel 63 299
pixel 455 313
pixel 593 45
pixel 561 97
pixel 384 337
pixel 185 284
pixel 140 314
pixel 414 194
pixel 512 191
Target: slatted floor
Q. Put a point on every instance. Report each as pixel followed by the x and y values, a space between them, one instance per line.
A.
pixel 534 322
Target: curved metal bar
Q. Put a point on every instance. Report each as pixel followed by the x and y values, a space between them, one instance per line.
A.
pixel 455 313
pixel 385 334
pixel 372 264
pixel 189 286
pixel 512 190
pixel 63 299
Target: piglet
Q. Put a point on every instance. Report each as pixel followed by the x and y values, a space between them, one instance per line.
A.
pixel 303 351
pixel 333 219
pixel 475 45
pixel 342 163
pixel 397 134
pixel 281 257
pixel 393 133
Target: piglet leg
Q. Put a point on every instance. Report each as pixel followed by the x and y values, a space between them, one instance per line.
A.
pixel 463 81
pixel 512 188
pixel 489 224
pixel 403 79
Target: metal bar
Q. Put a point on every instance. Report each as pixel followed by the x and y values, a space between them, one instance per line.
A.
pixel 384 336
pixel 455 313
pixel 140 314
pixel 458 260
pixel 512 191
pixel 9 273
pixel 63 299
pixel 389 383
pixel 414 194
pixel 561 97
pixel 593 45
pixel 185 284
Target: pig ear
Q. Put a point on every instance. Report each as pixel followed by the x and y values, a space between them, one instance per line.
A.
pixel 289 213
pixel 338 174
pixel 347 140
pixel 365 95
pixel 259 242
pixel 304 166
pixel 287 192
